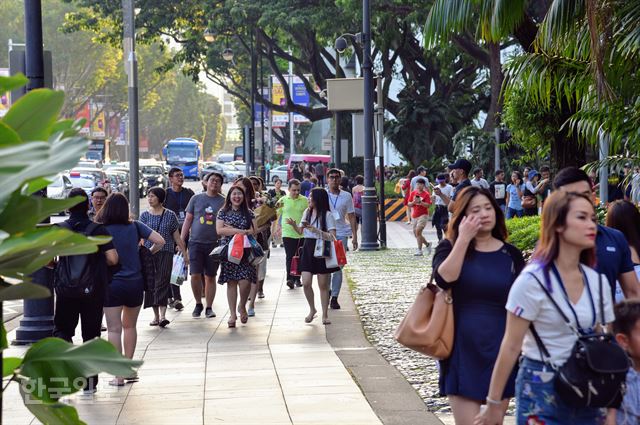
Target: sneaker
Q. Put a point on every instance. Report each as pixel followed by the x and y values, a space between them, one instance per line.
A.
pixel 418 253
pixel 260 294
pixel 171 303
pixel 290 284
pixel 209 313
pixel 198 310
pixel 251 312
pixel 273 245
pixel 334 303
pixel 298 284
pixel 281 245
pixel 178 305
pixel 429 245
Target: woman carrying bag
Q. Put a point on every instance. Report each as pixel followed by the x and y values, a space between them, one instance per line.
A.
pixel 317 224
pixel 558 298
pixel 479 267
pixel 235 218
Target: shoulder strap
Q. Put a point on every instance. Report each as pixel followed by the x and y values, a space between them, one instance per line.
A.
pixel 601 300
pixel 555 304
pixel 91 228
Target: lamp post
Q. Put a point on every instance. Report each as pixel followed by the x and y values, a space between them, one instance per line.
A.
pixel 369 198
pixel 131 67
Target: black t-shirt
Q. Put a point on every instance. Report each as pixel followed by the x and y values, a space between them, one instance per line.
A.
pixel 79 224
pixel 459 187
pixel 178 201
pixel 499 192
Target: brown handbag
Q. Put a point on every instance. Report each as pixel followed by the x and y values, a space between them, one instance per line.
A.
pixel 428 325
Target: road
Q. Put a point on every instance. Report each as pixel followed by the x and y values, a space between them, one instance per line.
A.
pixel 13 309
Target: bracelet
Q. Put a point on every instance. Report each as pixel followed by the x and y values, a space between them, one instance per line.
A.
pixel 494 402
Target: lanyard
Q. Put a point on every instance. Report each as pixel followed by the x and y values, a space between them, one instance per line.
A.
pixel 568 301
pixel 334 204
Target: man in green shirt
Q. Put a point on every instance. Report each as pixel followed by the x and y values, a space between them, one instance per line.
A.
pixel 292 206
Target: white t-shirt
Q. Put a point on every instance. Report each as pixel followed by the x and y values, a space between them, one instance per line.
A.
pixel 341 205
pixel 529 301
pixel 315 222
pixel 414 181
pixel 482 183
pixel 447 191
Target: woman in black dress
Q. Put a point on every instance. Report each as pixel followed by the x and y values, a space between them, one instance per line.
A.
pixel 235 218
pixel 317 223
pixel 479 267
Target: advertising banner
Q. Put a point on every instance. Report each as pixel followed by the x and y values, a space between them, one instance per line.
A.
pixel 299 94
pixel 85 112
pixel 98 125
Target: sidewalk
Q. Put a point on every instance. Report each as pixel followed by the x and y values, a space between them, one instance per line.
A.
pixel 274 370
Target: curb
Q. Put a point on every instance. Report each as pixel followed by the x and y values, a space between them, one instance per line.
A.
pixel 391 397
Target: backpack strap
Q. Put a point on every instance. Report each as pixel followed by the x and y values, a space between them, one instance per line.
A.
pixel 91 228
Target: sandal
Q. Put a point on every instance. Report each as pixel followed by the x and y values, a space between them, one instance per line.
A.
pixel 133 377
pixel 163 323
pixel 117 382
pixel 326 321
pixel 310 317
pixel 231 323
pixel 153 323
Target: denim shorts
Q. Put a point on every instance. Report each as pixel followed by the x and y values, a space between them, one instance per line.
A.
pixel 538 403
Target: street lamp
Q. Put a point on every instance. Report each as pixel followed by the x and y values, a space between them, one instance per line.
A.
pixel 209 36
pixel 227 54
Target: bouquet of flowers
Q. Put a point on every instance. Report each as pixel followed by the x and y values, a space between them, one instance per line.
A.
pixel 266 212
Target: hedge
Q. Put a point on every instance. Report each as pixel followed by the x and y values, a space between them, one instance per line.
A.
pixel 524 232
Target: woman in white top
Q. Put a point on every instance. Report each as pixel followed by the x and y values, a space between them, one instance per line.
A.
pixel 317 223
pixel 562 263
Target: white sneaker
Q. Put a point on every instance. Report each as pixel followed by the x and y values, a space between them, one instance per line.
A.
pixel 429 245
pixel 418 253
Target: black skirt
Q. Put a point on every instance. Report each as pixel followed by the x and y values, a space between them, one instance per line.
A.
pixel 311 264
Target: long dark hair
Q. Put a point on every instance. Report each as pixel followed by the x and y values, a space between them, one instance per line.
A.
pixel 624 216
pixel 320 200
pixel 114 211
pixel 463 199
pixel 248 191
pixel 244 207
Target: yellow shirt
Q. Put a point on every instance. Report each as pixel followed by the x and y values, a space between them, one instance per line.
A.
pixel 292 208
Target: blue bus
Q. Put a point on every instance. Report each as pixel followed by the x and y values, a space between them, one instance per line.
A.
pixel 185 153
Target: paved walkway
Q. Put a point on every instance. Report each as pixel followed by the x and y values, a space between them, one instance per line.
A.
pixel 274 370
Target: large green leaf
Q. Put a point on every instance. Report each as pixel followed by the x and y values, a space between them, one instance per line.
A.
pixel 36 185
pixel 55 364
pixel 8 136
pixel 9 365
pixel 23 291
pixel 31 210
pixel 33 114
pixel 50 413
pixel 13 82
pixel 25 253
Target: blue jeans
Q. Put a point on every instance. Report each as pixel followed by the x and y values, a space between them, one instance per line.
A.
pixel 538 403
pixel 336 277
pixel 511 212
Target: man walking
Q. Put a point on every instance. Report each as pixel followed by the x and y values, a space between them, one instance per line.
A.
pixel 98 198
pixel 440 217
pixel 478 179
pixel 341 204
pixel 320 172
pixel 460 172
pixel 419 201
pixel 306 185
pixel 200 229
pixel 498 189
pixel 70 307
pixel 177 199
pixel 422 174
pixel 292 206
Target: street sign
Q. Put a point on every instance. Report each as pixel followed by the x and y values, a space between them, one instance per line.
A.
pixel 278 149
pixel 327 144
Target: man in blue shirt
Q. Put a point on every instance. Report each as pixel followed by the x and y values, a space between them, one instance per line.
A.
pixel 613 254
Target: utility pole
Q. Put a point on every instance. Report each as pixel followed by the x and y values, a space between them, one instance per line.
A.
pixel 292 137
pixel 264 145
pixel 131 66
pixel 380 116
pixel 338 116
pixel 254 89
pixel 37 321
pixel 369 198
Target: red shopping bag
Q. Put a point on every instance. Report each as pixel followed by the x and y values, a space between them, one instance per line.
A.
pixel 236 249
pixel 341 254
pixel 295 264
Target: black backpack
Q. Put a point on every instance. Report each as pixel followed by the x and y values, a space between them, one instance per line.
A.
pixel 78 276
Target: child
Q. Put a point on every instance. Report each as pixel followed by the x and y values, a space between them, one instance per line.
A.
pixel 627 330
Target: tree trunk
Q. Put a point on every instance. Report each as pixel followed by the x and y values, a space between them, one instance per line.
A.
pixel 497 77
pixel 566 149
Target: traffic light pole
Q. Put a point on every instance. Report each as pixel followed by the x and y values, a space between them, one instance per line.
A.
pixel 132 89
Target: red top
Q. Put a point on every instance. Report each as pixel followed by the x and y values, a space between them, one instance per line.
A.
pixel 423 208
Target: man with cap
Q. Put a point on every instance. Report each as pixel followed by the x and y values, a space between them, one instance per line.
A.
pixel 422 174
pixel 460 172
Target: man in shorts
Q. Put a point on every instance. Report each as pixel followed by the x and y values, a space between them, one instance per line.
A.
pixel 200 230
pixel 419 201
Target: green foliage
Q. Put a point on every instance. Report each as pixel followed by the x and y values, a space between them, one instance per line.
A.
pixel 34 146
pixel 524 232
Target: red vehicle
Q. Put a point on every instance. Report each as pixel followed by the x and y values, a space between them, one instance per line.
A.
pixel 295 159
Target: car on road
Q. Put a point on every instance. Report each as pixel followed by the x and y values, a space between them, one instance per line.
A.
pixel 279 172
pixel 96 173
pixel 90 163
pixel 119 182
pixel 229 172
pixel 143 185
pixel 154 174
pixel 83 181
pixel 59 188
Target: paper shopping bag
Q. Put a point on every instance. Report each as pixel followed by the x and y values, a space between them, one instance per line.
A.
pixel 318 250
pixel 331 262
pixel 341 253
pixel 236 250
pixel 295 265
pixel 177 269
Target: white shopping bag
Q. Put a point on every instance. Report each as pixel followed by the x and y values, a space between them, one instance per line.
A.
pixel 332 261
pixel 178 274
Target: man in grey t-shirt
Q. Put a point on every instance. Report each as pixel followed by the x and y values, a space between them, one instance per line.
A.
pixel 200 229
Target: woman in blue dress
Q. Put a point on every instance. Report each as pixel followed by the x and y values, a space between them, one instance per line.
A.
pixel 479 267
